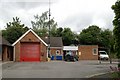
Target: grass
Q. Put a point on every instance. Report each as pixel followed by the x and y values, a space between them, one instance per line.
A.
pixel 115 75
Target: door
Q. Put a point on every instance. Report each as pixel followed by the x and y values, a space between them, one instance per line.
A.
pixel 30 52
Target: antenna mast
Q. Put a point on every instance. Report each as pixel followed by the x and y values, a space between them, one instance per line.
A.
pixel 49 33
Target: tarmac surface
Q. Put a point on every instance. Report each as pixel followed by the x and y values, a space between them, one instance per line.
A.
pixel 56 69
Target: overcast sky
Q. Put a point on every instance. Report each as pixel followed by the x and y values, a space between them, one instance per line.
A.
pixel 75 14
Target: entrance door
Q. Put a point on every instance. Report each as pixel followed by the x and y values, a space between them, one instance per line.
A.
pixel 30 52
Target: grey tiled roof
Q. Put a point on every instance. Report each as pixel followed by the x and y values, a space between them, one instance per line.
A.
pixel 4 42
pixel 54 41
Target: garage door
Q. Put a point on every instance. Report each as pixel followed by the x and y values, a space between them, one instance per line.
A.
pixel 30 52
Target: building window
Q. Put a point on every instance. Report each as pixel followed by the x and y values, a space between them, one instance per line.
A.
pixel 57 52
pixel 95 51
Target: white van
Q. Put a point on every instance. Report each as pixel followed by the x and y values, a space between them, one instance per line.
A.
pixel 103 55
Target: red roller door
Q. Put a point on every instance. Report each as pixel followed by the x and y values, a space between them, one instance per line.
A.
pixel 30 52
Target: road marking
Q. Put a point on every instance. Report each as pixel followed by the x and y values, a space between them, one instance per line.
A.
pixel 96 75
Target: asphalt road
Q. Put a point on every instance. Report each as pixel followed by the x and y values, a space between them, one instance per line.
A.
pixel 0 69
pixel 55 69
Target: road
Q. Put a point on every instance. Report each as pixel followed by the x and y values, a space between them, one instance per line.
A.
pixel 55 69
pixel 0 69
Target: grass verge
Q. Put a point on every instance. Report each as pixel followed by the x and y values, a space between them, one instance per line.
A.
pixel 115 75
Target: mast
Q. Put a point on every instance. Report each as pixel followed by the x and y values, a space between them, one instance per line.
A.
pixel 49 32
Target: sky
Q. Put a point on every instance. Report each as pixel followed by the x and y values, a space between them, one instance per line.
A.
pixel 75 14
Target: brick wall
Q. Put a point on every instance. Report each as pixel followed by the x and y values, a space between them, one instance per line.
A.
pixel 53 51
pixel 17 51
pixel 43 52
pixel 4 53
pixel 30 37
pixel 87 52
pixel 7 53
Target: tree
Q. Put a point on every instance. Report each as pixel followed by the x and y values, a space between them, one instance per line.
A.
pixel 42 23
pixel 116 23
pixel 14 30
pixel 106 37
pixel 67 36
pixel 90 36
pixel 53 31
pixel 76 39
pixel 59 32
pixel 94 35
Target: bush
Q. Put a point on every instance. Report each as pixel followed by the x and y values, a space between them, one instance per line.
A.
pixel 119 65
pixel 115 75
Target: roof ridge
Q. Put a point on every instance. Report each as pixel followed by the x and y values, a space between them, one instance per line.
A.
pixel 30 30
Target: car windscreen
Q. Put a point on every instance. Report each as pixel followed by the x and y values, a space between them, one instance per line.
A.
pixel 103 53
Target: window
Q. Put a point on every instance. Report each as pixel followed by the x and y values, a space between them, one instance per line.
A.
pixel 57 52
pixel 95 51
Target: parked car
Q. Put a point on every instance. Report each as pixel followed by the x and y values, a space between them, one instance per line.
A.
pixel 70 57
pixel 103 55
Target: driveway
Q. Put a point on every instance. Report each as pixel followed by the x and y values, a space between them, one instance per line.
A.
pixel 55 69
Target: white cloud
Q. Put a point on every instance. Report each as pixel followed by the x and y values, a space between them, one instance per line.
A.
pixel 2 25
pixel 76 14
pixel 79 14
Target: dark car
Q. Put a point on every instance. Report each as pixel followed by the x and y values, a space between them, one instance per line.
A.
pixel 69 57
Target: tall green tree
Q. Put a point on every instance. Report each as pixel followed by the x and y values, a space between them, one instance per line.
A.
pixel 94 35
pixel 42 23
pixel 90 36
pixel 106 37
pixel 14 30
pixel 116 23
pixel 59 32
pixel 67 36
pixel 76 39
